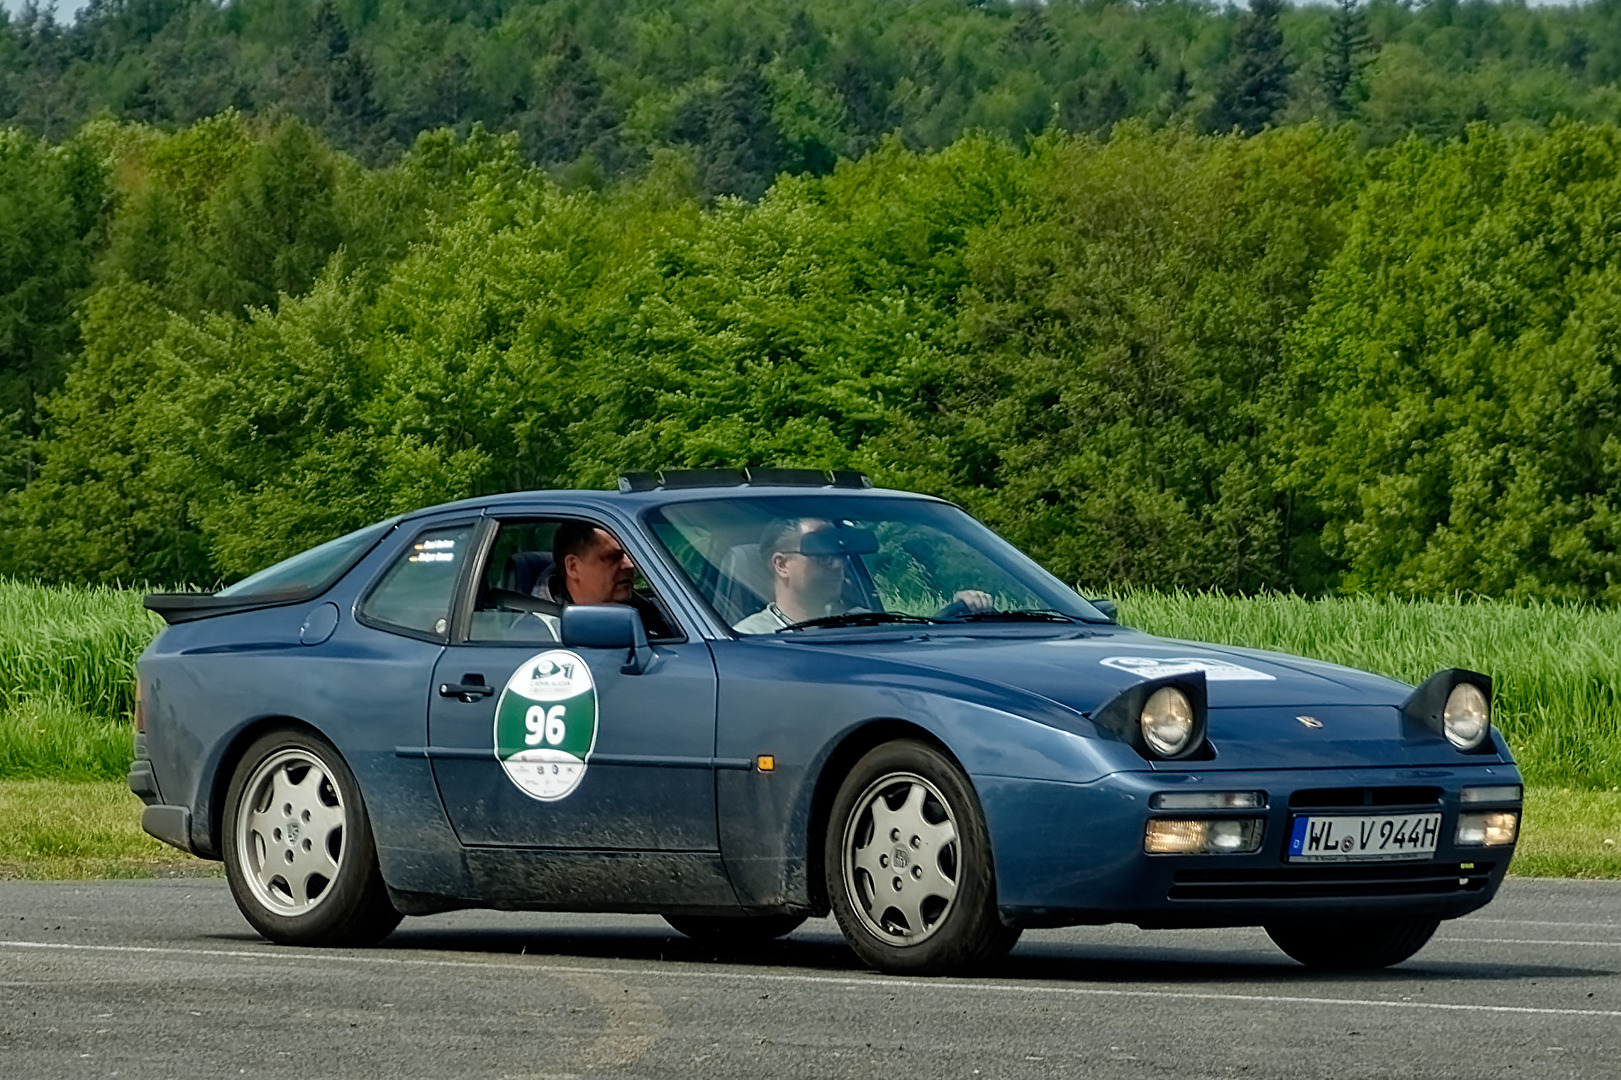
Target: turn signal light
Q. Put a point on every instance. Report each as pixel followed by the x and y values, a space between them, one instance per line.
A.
pixel 1208 800
pixel 1500 793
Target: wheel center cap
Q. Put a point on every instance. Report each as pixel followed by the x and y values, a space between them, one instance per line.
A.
pixel 899 858
pixel 292 832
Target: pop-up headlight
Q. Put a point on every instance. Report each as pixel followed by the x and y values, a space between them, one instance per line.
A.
pixel 1455 704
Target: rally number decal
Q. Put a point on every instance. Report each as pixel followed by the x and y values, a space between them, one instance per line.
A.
pixel 546 724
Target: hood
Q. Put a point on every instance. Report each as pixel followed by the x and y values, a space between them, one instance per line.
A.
pixel 1083 673
pixel 1256 699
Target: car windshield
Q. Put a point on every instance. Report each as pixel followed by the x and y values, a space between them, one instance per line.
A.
pixel 774 564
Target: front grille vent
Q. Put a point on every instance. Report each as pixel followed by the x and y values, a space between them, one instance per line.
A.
pixel 1331 882
pixel 1359 798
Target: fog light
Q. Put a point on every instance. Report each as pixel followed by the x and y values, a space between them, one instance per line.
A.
pixel 1501 793
pixel 1208 800
pixel 1488 830
pixel 1226 836
pixel 1174 837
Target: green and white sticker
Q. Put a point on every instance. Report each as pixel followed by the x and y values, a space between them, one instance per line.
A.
pixel 546 724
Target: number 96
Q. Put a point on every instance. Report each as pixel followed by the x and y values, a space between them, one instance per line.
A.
pixel 544 723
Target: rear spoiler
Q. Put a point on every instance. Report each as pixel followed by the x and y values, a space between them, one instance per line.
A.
pixel 188 607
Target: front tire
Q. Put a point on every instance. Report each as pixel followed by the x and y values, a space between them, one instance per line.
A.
pixel 299 853
pixel 908 865
pixel 1353 945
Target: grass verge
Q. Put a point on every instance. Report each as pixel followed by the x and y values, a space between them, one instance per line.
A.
pixel 1570 832
pixel 57 830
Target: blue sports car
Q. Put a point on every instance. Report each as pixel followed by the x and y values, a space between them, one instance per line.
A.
pixel 739 699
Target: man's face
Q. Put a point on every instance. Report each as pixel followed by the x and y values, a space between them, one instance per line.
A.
pixel 813 581
pixel 601 574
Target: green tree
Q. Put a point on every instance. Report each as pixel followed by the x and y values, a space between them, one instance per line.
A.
pixel 1345 55
pixel 52 204
pixel 1124 329
pixel 273 221
pixel 1457 406
pixel 1255 86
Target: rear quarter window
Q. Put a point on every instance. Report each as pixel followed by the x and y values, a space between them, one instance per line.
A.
pixel 414 594
pixel 309 572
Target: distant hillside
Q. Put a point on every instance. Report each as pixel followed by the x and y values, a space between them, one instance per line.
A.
pixel 753 88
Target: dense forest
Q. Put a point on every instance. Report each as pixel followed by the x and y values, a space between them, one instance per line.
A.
pixel 752 88
pixel 1186 348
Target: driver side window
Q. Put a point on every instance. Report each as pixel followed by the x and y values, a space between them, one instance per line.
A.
pixel 521 590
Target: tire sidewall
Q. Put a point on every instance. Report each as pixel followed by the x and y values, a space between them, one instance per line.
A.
pixel 971 931
pixel 354 887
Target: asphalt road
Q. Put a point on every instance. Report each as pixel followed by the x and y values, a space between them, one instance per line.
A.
pixel 164 979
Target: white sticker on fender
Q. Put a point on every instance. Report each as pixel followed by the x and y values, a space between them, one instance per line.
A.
pixel 1157 667
pixel 546 724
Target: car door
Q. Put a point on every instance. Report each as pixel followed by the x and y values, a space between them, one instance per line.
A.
pixel 539 746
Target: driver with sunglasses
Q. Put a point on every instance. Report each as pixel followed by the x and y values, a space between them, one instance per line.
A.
pixel 811 586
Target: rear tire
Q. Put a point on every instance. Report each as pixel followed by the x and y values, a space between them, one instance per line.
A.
pixel 908 865
pixel 747 929
pixel 299 853
pixel 1355 944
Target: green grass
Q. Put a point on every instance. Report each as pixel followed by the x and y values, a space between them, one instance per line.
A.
pixel 55 830
pixel 47 736
pixel 1569 833
pixel 78 644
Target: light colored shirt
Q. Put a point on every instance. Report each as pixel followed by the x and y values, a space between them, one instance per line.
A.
pixel 767 620
pixel 770 619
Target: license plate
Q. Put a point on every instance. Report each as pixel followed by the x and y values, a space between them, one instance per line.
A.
pixel 1364 839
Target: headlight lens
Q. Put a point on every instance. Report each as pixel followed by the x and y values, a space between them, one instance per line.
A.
pixel 1167 721
pixel 1466 719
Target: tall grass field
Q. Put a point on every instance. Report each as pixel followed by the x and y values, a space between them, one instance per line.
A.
pixel 67 679
pixel 67 660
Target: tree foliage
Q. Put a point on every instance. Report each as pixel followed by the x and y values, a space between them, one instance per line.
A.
pixel 1160 357
pixel 754 88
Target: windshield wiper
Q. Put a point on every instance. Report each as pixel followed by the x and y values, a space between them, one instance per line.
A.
pixel 858 618
pixel 1017 615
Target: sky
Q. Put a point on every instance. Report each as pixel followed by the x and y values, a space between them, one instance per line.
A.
pixel 65 9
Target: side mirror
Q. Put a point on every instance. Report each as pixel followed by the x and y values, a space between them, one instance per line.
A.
pixel 1109 608
pixel 608 626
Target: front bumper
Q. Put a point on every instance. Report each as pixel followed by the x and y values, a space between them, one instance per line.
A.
pixel 1073 853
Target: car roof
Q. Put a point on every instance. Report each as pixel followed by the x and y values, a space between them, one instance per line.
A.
pixel 635 501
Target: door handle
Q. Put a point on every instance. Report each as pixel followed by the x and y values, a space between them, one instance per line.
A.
pixel 469 690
